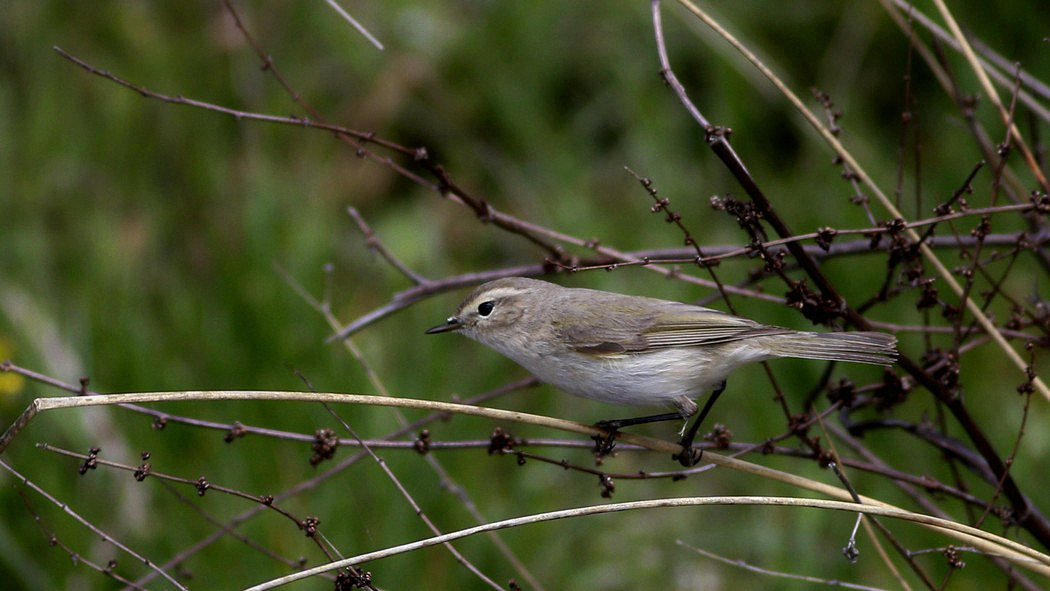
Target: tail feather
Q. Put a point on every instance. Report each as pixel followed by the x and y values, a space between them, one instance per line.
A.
pixel 861 347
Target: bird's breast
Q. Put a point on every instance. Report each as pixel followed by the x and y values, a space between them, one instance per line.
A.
pixel 650 378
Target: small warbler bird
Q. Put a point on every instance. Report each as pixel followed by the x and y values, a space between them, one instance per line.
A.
pixel 636 350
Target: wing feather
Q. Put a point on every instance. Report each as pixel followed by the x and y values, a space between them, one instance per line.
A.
pixel 629 326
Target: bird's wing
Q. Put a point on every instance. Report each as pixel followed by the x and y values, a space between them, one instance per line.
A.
pixel 638 330
pixel 701 327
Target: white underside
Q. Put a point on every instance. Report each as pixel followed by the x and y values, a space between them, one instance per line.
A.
pixel 662 377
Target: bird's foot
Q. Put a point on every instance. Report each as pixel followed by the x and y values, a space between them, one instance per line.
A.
pixel 605 442
pixel 689 456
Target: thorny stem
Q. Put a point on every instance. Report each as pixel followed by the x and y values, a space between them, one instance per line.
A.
pixel 1026 513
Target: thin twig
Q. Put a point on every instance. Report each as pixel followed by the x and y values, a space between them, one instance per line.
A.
pixel 775 574
pixel 101 534
pixel 353 22
pixel 1026 557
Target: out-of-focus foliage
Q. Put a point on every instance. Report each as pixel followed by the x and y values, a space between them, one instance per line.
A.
pixel 138 242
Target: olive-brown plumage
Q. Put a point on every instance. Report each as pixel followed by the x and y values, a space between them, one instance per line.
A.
pixel 637 350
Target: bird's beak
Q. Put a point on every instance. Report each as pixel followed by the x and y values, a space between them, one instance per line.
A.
pixel 451 324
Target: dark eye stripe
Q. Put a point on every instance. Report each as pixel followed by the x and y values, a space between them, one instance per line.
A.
pixel 485 308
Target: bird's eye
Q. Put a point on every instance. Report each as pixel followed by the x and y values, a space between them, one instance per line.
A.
pixel 485 308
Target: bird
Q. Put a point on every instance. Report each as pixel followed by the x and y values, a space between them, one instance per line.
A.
pixel 635 350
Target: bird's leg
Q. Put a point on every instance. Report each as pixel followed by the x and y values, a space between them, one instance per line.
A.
pixel 688 456
pixel 617 424
pixel 603 444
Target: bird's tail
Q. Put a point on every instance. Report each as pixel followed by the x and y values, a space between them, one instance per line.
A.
pixel 860 347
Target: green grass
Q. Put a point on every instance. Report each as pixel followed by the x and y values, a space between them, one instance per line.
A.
pixel 138 241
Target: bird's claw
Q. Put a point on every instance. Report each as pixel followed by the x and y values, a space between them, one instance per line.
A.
pixel 689 456
pixel 605 442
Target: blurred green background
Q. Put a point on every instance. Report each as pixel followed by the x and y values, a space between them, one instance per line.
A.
pixel 138 242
